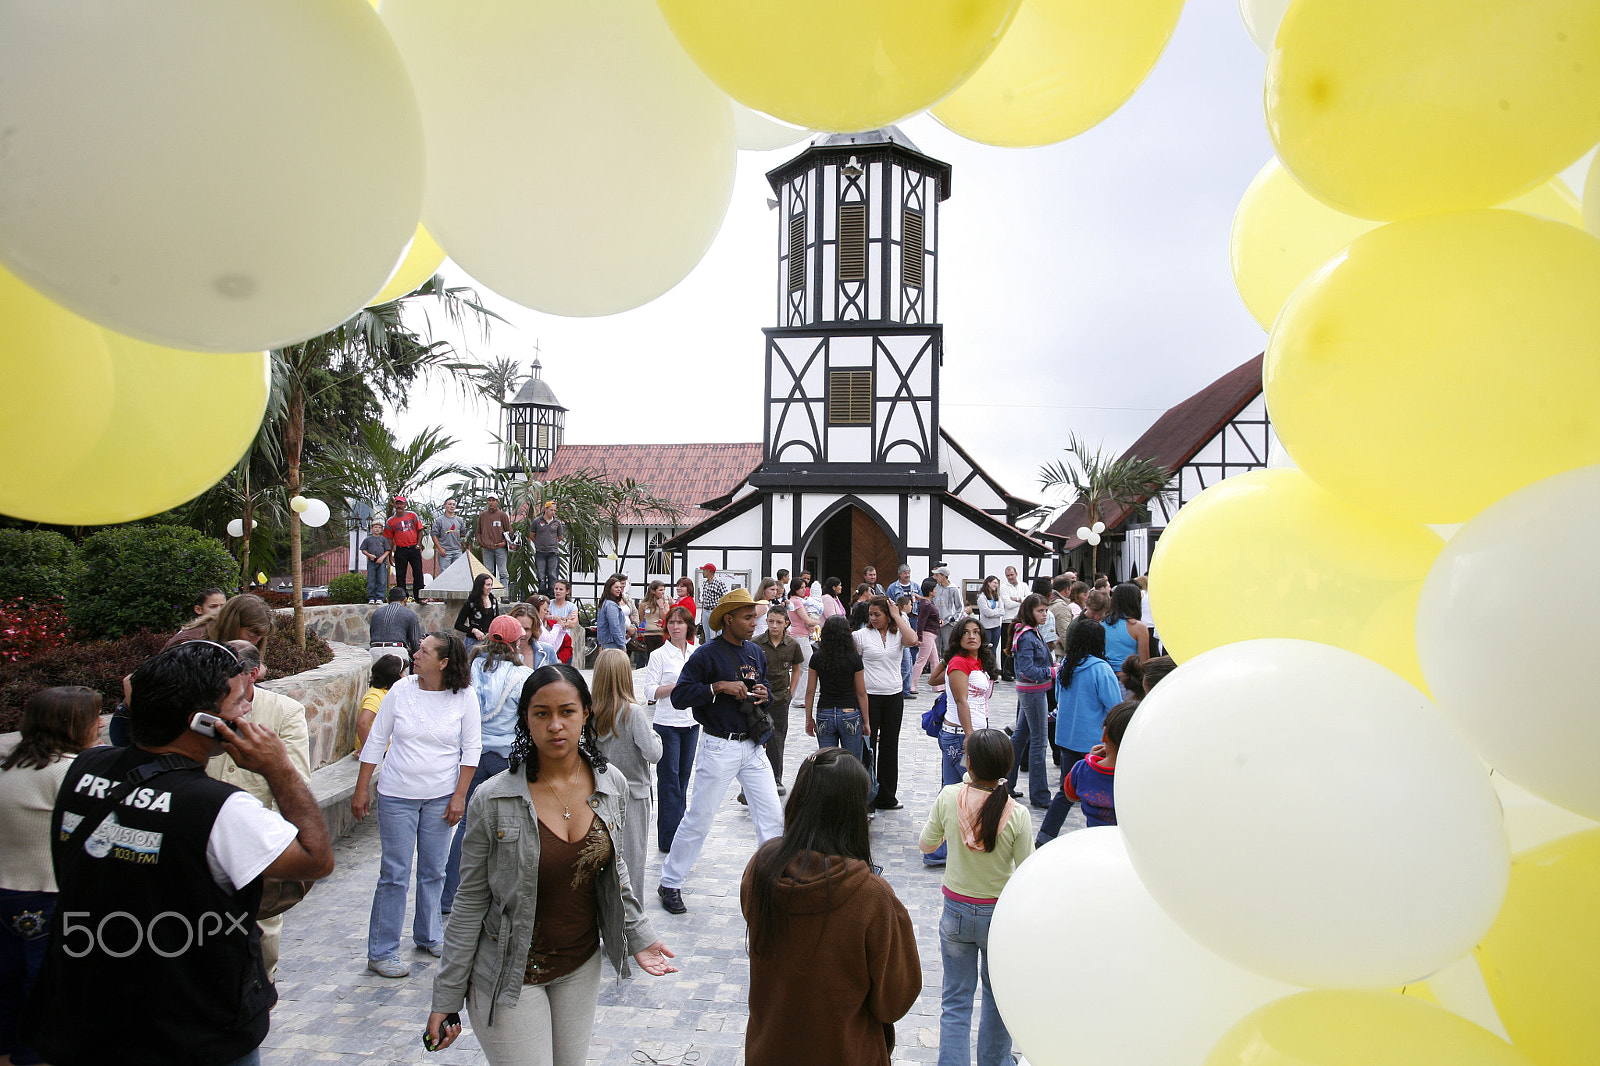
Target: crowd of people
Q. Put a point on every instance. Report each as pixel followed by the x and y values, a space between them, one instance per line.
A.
pixel 393 548
pixel 517 796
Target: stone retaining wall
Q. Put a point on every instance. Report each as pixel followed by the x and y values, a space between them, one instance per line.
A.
pixel 346 623
pixel 332 695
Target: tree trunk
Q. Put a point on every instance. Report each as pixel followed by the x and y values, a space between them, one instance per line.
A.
pixel 293 435
pixel 244 546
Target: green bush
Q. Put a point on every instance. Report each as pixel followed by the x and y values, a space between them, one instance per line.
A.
pixel 348 588
pixel 144 577
pixel 40 565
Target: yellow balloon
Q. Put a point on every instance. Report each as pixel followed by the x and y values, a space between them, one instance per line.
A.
pixel 1062 67
pixel 843 65
pixel 1271 554
pixel 1281 234
pixel 298 504
pixel 108 429
pixel 1350 1028
pixel 1591 197
pixel 422 259
pixel 56 388
pixel 1439 363
pixel 1389 110
pixel 1541 959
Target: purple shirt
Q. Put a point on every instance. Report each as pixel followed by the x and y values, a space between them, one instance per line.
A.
pixel 1090 783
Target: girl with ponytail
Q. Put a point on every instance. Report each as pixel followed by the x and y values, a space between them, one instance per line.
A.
pixel 989 834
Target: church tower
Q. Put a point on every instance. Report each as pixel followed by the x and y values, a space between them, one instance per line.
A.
pixel 535 423
pixel 852 376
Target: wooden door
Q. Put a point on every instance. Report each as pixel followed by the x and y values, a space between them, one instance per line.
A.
pixel 869 546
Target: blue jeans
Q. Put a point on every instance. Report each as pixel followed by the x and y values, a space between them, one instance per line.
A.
pixel 964 945
pixel 1060 807
pixel 24 936
pixel 1030 740
pixel 405 826
pixel 547 565
pixel 489 764
pixel 839 727
pixel 377 581
pixel 678 744
pixel 908 656
pixel 494 561
pixel 952 754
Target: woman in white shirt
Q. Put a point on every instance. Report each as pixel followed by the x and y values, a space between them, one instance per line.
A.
pixel 881 643
pixel 428 736
pixel 679 732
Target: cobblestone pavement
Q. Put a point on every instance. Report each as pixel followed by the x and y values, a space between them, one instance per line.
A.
pixel 331 1009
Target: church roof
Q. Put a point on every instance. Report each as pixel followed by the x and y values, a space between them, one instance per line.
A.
pixel 686 474
pixel 871 144
pixel 537 390
pixel 1174 439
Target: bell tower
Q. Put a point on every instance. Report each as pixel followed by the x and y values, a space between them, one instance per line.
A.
pixel 853 362
pixel 535 423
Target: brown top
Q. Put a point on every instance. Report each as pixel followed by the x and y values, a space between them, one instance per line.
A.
pixel 492 527
pixel 781 661
pixel 847 953
pixel 566 929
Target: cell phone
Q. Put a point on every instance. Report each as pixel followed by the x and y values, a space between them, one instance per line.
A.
pixel 204 724
pixel 453 1018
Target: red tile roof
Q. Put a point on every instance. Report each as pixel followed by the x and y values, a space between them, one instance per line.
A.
pixel 1175 438
pixel 686 474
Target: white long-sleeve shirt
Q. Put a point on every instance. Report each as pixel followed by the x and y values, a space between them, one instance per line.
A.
pixel 429 737
pixel 1011 597
pixel 663 668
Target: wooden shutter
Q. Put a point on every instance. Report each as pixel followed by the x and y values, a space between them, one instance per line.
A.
pixel 911 238
pixel 849 397
pixel 797 252
pixel 852 242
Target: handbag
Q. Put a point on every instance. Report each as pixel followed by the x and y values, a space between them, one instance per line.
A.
pixel 278 894
pixel 933 717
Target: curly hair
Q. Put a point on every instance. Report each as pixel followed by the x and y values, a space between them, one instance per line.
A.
pixel 523 750
pixel 835 646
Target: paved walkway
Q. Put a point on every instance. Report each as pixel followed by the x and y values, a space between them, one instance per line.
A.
pixel 331 1009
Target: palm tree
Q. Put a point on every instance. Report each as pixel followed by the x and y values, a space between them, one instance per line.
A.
pixel 376 346
pixel 593 505
pixel 1102 482
pixel 493 380
pixel 378 468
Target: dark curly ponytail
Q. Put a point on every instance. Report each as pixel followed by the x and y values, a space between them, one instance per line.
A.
pixel 522 748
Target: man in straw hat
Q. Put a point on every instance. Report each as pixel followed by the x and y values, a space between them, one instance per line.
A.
pixel 724 684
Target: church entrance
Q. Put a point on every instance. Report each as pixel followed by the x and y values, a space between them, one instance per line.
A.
pixel 847 544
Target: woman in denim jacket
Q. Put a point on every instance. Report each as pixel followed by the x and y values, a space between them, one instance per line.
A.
pixel 543 890
pixel 1030 654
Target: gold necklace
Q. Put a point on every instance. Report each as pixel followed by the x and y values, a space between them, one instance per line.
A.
pixel 566 812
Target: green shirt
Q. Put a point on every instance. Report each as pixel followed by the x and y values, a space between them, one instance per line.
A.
pixel 978 874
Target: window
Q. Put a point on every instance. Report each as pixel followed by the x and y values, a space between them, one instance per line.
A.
pixel 797 252
pixel 852 242
pixel 544 435
pixel 849 397
pixel 911 237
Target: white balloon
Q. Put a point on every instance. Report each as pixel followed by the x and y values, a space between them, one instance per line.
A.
pixel 1094 538
pixel 427 551
pixel 315 514
pixel 1353 840
pixel 1591 197
pixel 1098 527
pixel 1478 661
pixel 1083 532
pixel 1079 898
pixel 236 527
pixel 1530 821
pixel 1261 18
pixel 756 132
pixel 167 164
pixel 578 162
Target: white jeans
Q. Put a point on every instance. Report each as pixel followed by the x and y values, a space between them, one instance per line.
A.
pixel 716 764
pixel 551 1025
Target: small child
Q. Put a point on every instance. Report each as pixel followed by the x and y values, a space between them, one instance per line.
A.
pixel 385 672
pixel 1090 781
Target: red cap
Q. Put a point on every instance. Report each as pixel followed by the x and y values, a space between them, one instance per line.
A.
pixel 399 499
pixel 708 566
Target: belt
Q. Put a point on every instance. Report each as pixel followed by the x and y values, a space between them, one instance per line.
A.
pixel 386 644
pixel 730 736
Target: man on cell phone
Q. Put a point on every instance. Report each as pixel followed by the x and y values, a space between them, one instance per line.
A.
pixel 160 870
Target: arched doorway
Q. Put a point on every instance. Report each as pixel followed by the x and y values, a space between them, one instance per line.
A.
pixel 846 543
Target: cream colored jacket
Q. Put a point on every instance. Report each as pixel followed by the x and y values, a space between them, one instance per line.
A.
pixel 285 717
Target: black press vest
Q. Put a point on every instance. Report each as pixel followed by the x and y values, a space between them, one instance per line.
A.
pixel 149 960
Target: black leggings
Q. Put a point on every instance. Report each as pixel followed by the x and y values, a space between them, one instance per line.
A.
pixel 887 713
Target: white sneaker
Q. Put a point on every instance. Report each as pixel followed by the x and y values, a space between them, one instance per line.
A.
pixel 390 967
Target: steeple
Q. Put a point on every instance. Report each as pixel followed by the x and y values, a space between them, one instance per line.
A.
pixel 535 423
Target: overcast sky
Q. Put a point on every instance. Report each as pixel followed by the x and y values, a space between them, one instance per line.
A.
pixel 1085 286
